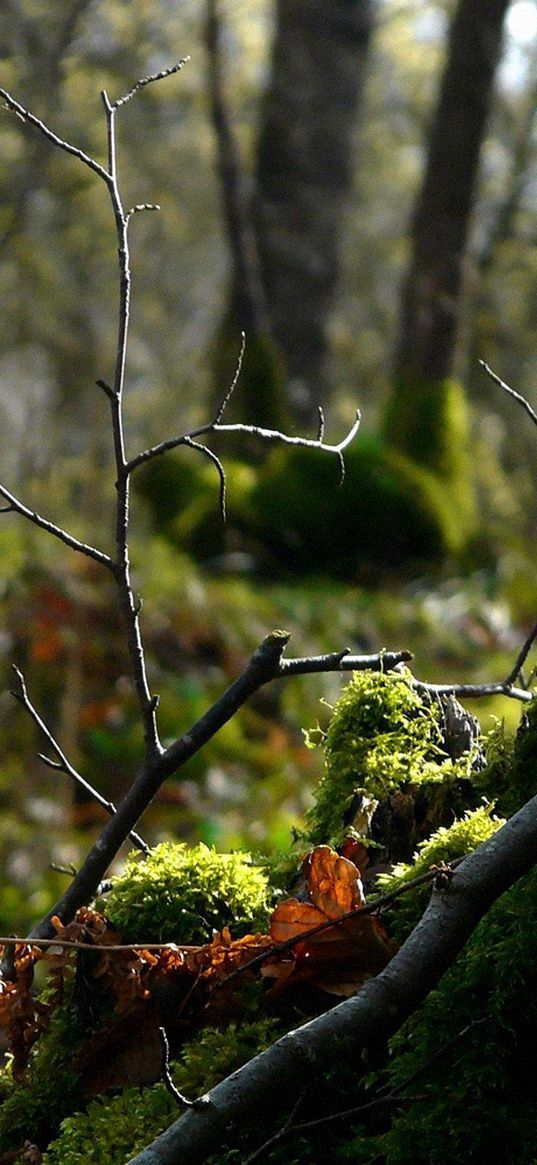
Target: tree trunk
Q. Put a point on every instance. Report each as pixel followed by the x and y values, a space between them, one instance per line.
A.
pixel 425 417
pixel 305 168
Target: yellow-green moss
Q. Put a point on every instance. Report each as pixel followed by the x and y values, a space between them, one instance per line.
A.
pixel 383 736
pixel 429 422
pixel 445 845
pixel 181 894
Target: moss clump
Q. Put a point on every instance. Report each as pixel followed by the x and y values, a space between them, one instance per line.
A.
pixel 181 894
pixel 388 512
pixel 183 500
pixel 113 1129
pixel 445 845
pixel 383 736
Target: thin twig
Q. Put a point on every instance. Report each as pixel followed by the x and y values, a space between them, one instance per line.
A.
pixel 149 81
pixel 522 656
pixel 511 391
pixel 474 691
pixel 63 764
pixel 56 531
pixel 223 406
pixel 286 1130
pixel 221 471
pixel 31 119
pixel 178 1096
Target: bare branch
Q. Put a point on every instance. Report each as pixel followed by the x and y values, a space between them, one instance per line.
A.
pixel 253 430
pixel 511 391
pixel 221 471
pixel 63 764
pixel 31 119
pixel 474 691
pixel 222 407
pixel 149 81
pixel 44 524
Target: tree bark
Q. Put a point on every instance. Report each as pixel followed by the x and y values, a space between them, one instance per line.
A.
pixel 369 1018
pixel 432 297
pixel 304 174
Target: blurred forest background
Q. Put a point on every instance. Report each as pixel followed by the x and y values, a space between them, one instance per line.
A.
pixel 355 185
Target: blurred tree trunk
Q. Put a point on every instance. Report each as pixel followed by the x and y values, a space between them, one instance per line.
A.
pixel 426 414
pixel 304 173
pixel 260 393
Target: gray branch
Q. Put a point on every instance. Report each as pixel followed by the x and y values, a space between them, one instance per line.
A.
pixel 368 1019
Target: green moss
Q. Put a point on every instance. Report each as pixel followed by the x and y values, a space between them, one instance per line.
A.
pixel 383 736
pixel 387 513
pixel 181 894
pixel 429 422
pixel 445 845
pixel 32 1110
pixel 113 1129
pixel 478 1096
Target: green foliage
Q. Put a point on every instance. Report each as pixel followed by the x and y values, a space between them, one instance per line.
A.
pixel 34 1108
pixel 445 845
pixel 383 736
pixel 112 1129
pixel 181 894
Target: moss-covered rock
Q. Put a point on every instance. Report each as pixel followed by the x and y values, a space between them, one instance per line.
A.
pixel 181 894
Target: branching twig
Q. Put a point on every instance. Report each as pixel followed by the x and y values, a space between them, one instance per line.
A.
pixel 474 691
pixel 522 656
pixel 251 430
pixel 62 764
